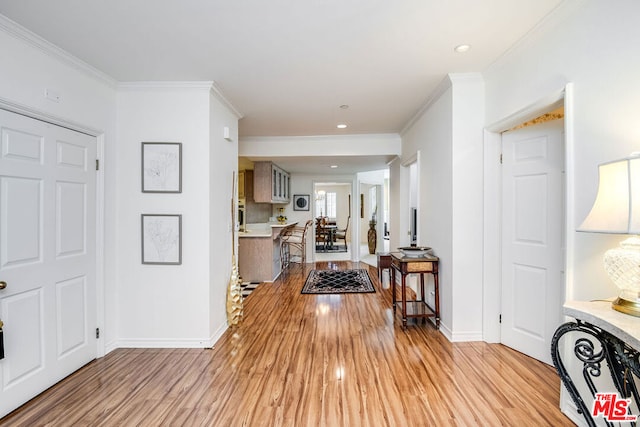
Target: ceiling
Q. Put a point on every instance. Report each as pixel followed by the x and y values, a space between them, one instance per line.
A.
pixel 321 165
pixel 287 65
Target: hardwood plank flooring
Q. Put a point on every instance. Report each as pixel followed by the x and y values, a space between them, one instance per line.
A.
pixel 308 360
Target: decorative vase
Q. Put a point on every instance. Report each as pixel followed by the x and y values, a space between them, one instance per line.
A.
pixel 372 237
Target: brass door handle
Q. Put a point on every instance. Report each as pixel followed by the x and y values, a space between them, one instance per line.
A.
pixel 3 285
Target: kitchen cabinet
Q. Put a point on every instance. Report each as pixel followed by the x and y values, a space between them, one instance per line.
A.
pixel 259 252
pixel 270 183
pixel 245 184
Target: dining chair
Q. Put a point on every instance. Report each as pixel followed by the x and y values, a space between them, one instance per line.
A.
pixel 341 234
pixel 321 233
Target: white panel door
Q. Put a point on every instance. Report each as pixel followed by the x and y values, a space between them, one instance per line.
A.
pixel 532 237
pixel 47 255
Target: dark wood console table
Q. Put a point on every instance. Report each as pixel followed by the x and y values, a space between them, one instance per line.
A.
pixel 415 308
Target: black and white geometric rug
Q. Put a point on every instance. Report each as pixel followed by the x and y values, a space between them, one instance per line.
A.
pixel 338 282
pixel 247 288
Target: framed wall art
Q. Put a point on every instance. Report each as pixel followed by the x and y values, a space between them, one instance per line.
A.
pixel 161 239
pixel 162 167
pixel 301 202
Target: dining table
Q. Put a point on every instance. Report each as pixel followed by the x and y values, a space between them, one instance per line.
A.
pixel 329 233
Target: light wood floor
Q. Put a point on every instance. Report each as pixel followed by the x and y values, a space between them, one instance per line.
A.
pixel 308 360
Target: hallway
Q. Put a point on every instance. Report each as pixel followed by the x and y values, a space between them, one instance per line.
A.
pixel 308 360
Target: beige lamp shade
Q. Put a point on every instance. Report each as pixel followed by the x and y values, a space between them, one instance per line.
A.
pixel 617 211
pixel 617 206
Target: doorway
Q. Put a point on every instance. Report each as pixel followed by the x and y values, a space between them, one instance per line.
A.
pixel 333 223
pixel 373 215
pixel 48 255
pixel 532 235
pixel 492 211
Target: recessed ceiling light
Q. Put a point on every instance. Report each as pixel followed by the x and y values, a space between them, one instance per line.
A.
pixel 462 48
pixel 333 166
pixel 341 126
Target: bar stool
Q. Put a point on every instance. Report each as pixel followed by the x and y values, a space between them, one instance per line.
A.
pixel 294 238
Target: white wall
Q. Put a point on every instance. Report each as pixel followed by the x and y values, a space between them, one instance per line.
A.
pixel 467 201
pixel 222 167
pixel 342 199
pixel 397 227
pixel 431 134
pixel 584 43
pixel 88 98
pixel 146 305
pixel 448 137
pixel 167 305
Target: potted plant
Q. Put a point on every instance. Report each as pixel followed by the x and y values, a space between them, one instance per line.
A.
pixel 282 219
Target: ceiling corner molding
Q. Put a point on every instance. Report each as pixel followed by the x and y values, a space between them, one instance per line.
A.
pixel 433 97
pixel 561 12
pixel 465 77
pixel 19 32
pixel 217 92
pixel 25 110
pixel 206 85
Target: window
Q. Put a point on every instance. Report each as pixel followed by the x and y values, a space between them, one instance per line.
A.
pixel 326 204
pixel 331 205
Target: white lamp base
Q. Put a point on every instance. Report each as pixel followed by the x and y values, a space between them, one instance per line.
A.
pixel 623 266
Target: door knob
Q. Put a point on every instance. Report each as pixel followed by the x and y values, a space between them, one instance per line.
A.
pixel 3 285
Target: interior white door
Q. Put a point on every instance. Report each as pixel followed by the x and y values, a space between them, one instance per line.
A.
pixel 532 237
pixel 47 255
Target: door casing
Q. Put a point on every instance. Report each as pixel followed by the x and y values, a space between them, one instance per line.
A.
pixel 492 246
pixel 99 134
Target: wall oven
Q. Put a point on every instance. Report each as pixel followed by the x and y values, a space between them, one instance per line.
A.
pixel 242 215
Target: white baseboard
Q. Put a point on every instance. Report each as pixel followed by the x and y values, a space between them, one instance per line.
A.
pixel 160 343
pixel 169 343
pixel 460 336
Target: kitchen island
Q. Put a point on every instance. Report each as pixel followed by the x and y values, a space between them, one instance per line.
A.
pixel 259 251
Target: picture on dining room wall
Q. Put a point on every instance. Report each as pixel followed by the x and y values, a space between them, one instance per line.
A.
pixel 301 202
pixel 161 239
pixel 161 167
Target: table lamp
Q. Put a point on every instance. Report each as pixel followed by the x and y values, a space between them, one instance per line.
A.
pixel 616 210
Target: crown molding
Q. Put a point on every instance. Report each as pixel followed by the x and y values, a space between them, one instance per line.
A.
pixel 142 85
pixel 559 14
pixel 211 86
pixel 392 138
pixel 217 92
pixel 19 32
pixel 442 87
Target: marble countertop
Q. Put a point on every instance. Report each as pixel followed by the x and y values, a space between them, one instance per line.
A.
pixel 600 314
pixel 263 229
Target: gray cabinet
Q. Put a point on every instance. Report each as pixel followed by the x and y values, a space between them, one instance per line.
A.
pixel 270 183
